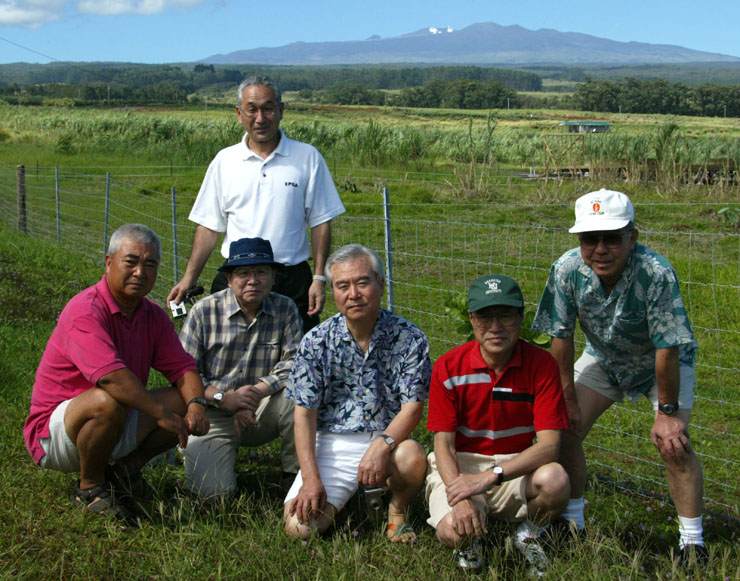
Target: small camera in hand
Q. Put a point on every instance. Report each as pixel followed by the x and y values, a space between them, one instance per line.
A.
pixel 178 310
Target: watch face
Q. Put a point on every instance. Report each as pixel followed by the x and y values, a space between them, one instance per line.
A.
pixel 218 396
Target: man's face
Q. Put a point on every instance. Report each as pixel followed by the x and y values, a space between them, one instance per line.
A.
pixel 607 252
pixel 251 285
pixel 260 114
pixel 497 331
pixel 357 291
pixel 132 271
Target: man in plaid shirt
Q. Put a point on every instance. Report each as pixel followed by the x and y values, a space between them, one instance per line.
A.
pixel 243 339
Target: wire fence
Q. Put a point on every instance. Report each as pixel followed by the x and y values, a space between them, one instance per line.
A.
pixel 435 250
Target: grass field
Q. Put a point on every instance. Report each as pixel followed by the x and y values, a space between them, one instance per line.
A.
pixel 44 536
pixel 454 218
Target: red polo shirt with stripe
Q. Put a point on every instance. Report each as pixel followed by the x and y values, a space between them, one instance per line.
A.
pixel 496 415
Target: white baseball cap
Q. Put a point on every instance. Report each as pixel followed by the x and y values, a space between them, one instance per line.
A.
pixel 602 210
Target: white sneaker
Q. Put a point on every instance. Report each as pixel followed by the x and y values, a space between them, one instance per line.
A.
pixel 470 558
pixel 534 554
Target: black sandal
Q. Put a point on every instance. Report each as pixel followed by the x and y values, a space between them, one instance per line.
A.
pixel 98 500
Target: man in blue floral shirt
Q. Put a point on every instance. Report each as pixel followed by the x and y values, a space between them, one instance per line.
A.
pixel 639 342
pixel 359 382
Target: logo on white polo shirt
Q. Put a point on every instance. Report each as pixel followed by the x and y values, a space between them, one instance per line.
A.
pixel 291 185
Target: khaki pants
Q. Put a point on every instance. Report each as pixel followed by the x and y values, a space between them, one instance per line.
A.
pixel 209 459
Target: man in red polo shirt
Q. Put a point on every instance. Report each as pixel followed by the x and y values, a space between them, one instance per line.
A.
pixel 90 405
pixel 496 408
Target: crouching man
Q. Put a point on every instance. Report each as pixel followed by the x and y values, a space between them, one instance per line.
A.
pixel 497 409
pixel 359 382
pixel 90 405
pixel 244 339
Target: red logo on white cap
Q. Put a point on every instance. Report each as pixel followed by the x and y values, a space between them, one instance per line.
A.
pixel 596 207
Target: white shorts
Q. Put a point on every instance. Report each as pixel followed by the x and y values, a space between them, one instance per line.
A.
pixel 588 372
pixel 338 457
pixel 60 452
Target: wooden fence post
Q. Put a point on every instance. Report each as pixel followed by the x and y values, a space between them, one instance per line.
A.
pixel 20 172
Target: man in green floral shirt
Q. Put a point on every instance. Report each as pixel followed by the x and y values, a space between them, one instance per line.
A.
pixel 639 342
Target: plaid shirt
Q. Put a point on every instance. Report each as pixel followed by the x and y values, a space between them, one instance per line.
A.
pixel 231 352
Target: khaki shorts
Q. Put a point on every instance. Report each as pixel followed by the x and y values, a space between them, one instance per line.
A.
pixel 507 502
pixel 588 372
pixel 60 453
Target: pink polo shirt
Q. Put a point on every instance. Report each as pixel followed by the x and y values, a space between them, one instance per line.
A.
pixel 93 338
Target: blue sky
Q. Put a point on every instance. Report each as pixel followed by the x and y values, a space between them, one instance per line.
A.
pixel 165 31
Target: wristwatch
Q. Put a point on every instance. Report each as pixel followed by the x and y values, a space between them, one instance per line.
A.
pixel 499 472
pixel 668 408
pixel 388 440
pixel 199 400
pixel 218 398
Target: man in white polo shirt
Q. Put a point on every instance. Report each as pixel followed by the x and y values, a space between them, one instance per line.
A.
pixel 267 186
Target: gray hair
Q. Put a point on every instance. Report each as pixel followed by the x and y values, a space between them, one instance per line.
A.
pixel 138 232
pixel 258 81
pixel 352 251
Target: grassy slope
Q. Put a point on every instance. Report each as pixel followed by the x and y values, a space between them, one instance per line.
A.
pixel 44 536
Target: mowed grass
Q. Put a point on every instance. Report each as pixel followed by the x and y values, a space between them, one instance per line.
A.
pixel 44 536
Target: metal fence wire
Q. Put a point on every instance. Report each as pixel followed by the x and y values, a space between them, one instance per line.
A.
pixel 435 250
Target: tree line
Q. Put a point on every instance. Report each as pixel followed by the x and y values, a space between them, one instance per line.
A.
pixel 658 96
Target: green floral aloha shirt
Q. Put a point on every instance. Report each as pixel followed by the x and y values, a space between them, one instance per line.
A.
pixel 644 312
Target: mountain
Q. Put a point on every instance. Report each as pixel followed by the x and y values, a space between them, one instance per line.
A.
pixel 479 44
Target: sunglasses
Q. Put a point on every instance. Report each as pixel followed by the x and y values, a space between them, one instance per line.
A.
pixel 611 240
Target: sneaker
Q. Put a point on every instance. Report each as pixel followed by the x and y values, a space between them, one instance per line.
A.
pixel 99 500
pixel 534 554
pixel 470 559
pixel 693 552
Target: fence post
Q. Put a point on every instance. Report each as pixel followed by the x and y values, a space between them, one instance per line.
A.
pixel 174 232
pixel 107 212
pixel 388 248
pixel 56 196
pixel 20 173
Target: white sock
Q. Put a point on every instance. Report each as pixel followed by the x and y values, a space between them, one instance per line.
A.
pixel 528 530
pixel 574 513
pixel 691 531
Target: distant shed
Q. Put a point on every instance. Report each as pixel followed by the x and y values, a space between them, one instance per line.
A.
pixel 586 126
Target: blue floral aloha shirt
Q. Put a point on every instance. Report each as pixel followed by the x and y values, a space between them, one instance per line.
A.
pixel 355 391
pixel 644 312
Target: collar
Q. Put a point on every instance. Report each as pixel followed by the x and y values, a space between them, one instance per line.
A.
pixel 476 360
pixel 282 149
pixel 378 330
pixel 231 306
pixel 104 292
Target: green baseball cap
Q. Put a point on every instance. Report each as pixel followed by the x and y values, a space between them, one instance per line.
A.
pixel 492 290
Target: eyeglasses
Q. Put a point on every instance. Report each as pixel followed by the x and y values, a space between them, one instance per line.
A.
pixel 505 319
pixel 257 271
pixel 611 240
pixel 252 112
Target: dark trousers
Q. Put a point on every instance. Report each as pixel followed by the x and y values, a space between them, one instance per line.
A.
pixel 292 281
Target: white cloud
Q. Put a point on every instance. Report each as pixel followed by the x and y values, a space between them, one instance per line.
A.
pixel 30 13
pixel 114 7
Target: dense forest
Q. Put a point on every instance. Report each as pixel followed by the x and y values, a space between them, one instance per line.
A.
pixel 658 96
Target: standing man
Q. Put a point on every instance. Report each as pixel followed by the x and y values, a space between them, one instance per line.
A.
pixel 638 343
pixel 359 382
pixel 496 407
pixel 243 339
pixel 271 187
pixel 89 403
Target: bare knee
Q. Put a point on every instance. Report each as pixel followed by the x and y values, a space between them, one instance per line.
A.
pixel 551 486
pixel 410 459
pixel 446 533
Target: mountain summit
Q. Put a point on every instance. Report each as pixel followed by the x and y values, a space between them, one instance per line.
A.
pixel 479 44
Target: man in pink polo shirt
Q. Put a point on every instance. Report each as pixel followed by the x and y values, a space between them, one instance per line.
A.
pixel 90 404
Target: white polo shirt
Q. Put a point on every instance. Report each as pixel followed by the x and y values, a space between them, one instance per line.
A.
pixel 275 199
